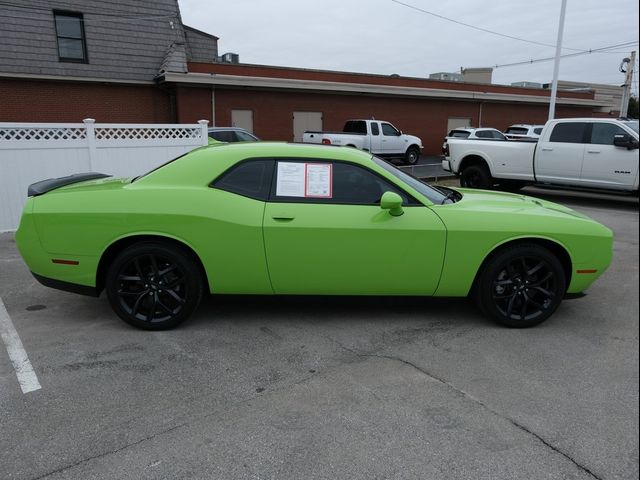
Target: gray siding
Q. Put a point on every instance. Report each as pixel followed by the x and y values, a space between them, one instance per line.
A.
pixel 201 47
pixel 126 39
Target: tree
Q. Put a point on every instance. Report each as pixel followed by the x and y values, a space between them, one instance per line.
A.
pixel 632 111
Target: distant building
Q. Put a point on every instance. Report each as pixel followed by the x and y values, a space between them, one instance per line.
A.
pixel 609 95
pixel 128 61
pixel 527 84
pixel 477 75
pixel 446 76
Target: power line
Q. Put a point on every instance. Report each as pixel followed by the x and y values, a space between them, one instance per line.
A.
pixel 547 59
pixel 413 7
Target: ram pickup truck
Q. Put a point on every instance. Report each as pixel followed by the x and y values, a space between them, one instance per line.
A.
pixel 593 153
pixel 378 137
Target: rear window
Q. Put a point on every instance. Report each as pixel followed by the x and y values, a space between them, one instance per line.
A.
pixel 355 126
pixel 517 131
pixel 223 136
pixel 569 132
pixel 459 134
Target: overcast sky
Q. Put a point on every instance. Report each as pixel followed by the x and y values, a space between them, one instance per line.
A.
pixel 383 36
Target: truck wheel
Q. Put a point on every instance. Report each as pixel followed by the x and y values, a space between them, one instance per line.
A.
pixel 476 176
pixel 412 156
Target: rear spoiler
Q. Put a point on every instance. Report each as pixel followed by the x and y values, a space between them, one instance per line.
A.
pixel 44 186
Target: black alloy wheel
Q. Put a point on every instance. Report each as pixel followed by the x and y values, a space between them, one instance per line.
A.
pixel 521 286
pixel 476 176
pixel 154 286
pixel 412 156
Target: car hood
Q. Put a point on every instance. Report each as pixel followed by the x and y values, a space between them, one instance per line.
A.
pixel 510 202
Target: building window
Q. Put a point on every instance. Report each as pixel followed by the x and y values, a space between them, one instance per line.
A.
pixel 72 46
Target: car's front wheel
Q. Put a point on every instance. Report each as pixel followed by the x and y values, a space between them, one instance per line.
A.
pixel 153 285
pixel 521 286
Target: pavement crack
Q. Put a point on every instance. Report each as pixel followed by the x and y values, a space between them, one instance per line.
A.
pixel 110 452
pixel 489 409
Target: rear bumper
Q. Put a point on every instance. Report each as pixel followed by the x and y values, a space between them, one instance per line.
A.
pixel 67 286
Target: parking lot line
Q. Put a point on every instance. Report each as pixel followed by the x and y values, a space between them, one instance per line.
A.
pixel 17 354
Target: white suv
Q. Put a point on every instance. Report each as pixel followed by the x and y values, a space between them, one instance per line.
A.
pixel 473 133
pixel 522 131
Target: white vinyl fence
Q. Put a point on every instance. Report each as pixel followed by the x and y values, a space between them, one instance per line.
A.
pixel 30 152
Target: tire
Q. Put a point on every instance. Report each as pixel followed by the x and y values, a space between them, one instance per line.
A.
pixel 520 286
pixel 412 155
pixel 476 176
pixel 154 285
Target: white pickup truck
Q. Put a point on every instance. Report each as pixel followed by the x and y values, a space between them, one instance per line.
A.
pixel 378 137
pixel 594 153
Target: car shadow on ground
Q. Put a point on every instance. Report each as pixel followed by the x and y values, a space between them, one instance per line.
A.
pixel 577 198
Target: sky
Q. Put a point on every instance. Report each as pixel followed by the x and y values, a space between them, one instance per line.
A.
pixel 387 37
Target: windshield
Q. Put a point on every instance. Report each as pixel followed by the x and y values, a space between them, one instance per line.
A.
pixel 425 189
pixel 632 125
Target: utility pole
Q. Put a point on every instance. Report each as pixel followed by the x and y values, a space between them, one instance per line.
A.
pixel 556 63
pixel 628 79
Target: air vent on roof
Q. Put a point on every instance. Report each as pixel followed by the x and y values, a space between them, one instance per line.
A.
pixel 230 58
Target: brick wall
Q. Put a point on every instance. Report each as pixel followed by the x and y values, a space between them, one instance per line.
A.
pixel 426 118
pixel 43 101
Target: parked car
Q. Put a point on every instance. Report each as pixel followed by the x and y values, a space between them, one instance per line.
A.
pixel 473 133
pixel 378 137
pixel 230 135
pixel 596 153
pixel 522 131
pixel 274 218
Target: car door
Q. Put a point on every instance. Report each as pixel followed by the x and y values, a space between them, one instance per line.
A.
pixel 392 141
pixel 325 233
pixel 605 165
pixel 375 138
pixel 558 156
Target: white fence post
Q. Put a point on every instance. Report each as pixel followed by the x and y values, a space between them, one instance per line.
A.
pixel 204 125
pixel 91 140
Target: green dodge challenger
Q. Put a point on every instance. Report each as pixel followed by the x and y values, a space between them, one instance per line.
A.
pixel 274 218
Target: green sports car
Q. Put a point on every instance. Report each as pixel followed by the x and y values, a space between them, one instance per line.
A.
pixel 274 218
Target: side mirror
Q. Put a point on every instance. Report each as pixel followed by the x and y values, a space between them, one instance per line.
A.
pixel 393 202
pixel 625 141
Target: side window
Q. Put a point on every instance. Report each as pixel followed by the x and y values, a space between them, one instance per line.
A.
pixel 251 178
pixel 569 132
pixel 537 131
pixel 375 130
pixel 389 130
pixel 244 136
pixel 484 134
pixel 603 133
pixel 315 181
pixel 223 135
pixel 498 135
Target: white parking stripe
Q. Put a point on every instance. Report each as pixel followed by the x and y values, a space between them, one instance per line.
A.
pixel 24 371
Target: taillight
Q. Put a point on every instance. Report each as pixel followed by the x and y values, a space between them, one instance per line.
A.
pixel 446 149
pixel 326 141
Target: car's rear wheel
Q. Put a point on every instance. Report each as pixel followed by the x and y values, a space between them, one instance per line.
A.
pixel 476 176
pixel 521 286
pixel 412 155
pixel 153 285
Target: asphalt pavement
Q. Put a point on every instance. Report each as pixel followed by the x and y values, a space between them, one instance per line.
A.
pixel 327 388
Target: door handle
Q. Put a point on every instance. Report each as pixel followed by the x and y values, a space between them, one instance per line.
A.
pixel 593 151
pixel 284 217
pixel 547 149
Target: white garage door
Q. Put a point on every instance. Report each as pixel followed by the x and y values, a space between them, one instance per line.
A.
pixel 456 122
pixel 303 121
pixel 242 119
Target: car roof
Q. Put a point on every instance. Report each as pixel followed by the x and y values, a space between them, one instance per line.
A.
pixel 292 150
pixel 222 129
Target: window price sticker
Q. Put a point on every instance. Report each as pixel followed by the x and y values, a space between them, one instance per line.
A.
pixel 310 180
pixel 318 180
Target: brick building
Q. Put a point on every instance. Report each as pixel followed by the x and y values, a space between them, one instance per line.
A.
pixel 135 61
